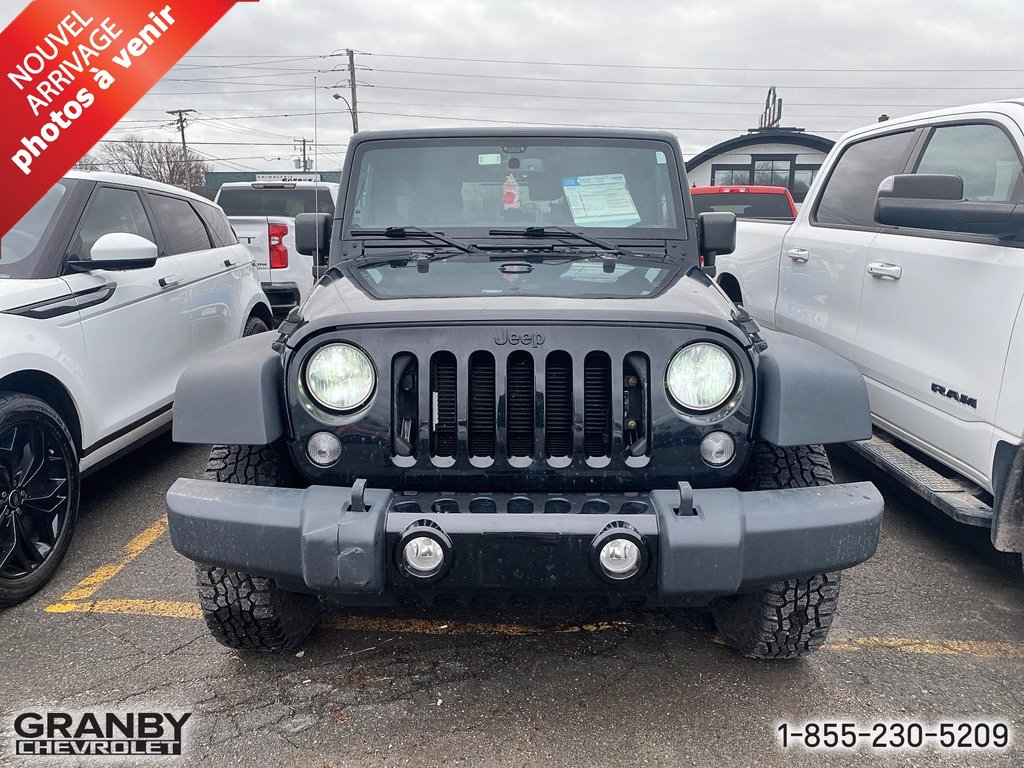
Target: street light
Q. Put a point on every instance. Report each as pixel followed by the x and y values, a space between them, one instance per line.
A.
pixel 351 112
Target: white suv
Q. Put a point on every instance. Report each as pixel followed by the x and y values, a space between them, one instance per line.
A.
pixel 109 288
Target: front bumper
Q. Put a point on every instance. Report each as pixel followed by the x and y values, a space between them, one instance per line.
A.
pixel 700 543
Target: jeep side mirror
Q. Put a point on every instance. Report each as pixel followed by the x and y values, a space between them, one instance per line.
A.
pixel 118 251
pixel 936 201
pixel 716 235
pixel 313 236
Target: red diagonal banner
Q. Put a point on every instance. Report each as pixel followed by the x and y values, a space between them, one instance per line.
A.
pixel 70 69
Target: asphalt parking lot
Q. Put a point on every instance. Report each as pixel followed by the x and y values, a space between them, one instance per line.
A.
pixel 931 629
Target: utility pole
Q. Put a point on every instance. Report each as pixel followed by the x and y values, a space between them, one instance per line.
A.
pixel 303 142
pixel 352 84
pixel 182 122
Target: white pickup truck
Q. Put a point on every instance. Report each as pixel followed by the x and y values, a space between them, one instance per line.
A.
pixel 907 258
pixel 262 213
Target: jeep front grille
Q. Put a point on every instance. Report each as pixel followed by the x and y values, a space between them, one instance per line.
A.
pixel 443 405
pixel 558 405
pixel 524 406
pixel 520 389
pixel 597 404
pixel 483 431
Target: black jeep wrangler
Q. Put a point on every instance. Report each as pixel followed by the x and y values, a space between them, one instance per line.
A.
pixel 516 380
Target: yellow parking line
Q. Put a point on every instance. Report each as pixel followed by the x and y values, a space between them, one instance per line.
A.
pixel 88 586
pixel 168 609
pixel 935 647
pixel 177 609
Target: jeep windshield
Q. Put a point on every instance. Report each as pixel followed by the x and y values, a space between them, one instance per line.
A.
pixel 613 188
pixel 535 205
pixel 22 246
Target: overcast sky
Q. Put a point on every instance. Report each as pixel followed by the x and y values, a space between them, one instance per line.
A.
pixel 700 68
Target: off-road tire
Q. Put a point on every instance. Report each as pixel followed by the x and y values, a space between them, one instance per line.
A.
pixel 241 610
pixel 252 613
pixel 790 618
pixel 15 407
pixel 254 325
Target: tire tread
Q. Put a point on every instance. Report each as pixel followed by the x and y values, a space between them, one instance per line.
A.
pixel 241 610
pixel 790 618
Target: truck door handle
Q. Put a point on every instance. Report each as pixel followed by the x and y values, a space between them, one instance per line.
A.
pixel 881 269
pixel 168 282
pixel 798 254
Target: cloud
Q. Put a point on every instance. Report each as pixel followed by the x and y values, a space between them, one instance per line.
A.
pixel 700 68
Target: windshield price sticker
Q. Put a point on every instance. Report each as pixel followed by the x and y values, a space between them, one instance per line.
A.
pixel 600 201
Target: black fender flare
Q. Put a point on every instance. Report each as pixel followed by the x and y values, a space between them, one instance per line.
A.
pixel 232 396
pixel 809 395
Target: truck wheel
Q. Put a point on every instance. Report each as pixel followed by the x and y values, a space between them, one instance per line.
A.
pixel 790 618
pixel 253 326
pixel 241 610
pixel 39 487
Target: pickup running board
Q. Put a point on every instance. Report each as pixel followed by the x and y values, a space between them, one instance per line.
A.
pixel 953 495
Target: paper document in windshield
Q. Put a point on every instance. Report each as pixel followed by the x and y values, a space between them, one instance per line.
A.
pixel 600 201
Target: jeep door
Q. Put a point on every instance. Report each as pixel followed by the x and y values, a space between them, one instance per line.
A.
pixel 211 271
pixel 825 251
pixel 138 340
pixel 938 308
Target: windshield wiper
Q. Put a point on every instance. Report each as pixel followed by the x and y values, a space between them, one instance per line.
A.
pixel 549 230
pixel 403 232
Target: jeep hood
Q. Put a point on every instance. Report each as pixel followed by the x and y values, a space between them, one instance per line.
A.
pixel 337 302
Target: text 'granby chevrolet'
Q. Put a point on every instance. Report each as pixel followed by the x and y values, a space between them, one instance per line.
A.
pixel 88 733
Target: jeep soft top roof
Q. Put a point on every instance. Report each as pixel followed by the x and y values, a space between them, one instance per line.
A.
pixel 498 132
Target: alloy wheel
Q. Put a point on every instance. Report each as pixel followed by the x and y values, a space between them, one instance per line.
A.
pixel 35 499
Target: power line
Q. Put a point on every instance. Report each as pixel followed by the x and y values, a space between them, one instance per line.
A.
pixel 781 86
pixel 236 80
pixel 643 99
pixel 577 97
pixel 266 56
pixel 283 58
pixel 458 119
pixel 679 68
pixel 229 78
pixel 567 125
pixel 212 143
pixel 488 107
pixel 238 166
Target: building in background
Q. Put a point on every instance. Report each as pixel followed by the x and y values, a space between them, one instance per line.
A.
pixel 779 157
pixel 769 155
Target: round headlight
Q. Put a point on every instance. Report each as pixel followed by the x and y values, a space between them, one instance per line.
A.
pixel 340 377
pixel 701 376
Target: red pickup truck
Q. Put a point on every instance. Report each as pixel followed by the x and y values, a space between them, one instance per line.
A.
pixel 746 201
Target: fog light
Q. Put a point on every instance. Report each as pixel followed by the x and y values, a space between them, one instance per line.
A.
pixel 323 449
pixel 423 555
pixel 717 449
pixel 620 558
